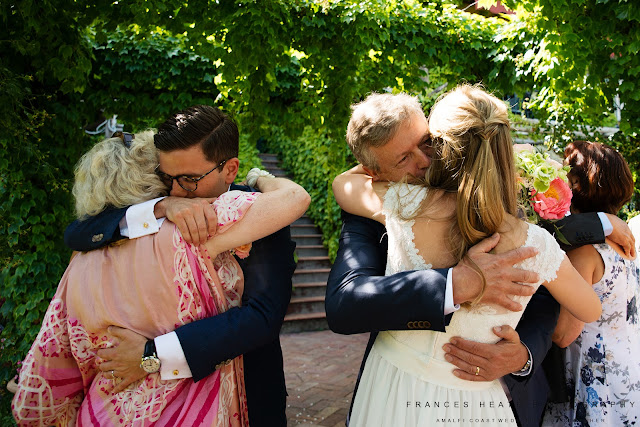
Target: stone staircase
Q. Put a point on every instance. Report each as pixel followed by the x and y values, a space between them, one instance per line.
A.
pixel 306 309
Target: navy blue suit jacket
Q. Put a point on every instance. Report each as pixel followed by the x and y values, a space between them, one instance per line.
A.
pixel 252 329
pixel 361 299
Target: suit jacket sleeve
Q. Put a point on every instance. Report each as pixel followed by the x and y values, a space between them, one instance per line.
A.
pixel 578 229
pixel 536 327
pixel 267 275
pixel 360 298
pixel 95 231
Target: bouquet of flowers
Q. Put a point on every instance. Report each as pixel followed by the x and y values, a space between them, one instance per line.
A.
pixel 544 189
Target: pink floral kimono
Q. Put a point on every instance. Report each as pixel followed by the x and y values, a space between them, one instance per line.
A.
pixel 151 285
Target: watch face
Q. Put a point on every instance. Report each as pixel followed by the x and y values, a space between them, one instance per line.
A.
pixel 150 364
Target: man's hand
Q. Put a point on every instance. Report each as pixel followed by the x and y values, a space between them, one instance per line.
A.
pixel 195 218
pixel 123 360
pixel 622 236
pixel 493 360
pixel 503 280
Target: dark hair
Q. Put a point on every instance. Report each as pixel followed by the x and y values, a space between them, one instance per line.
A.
pixel 200 124
pixel 600 177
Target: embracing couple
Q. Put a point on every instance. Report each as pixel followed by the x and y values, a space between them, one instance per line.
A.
pixel 179 324
pixel 461 345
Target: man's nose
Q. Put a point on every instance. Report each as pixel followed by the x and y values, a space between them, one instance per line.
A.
pixel 423 159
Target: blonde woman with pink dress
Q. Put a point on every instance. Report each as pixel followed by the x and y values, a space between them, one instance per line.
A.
pixel 151 285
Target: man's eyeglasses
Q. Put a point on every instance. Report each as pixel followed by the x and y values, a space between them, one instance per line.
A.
pixel 188 183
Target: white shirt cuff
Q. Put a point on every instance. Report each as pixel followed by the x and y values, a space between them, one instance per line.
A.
pixel 173 363
pixel 528 371
pixel 606 224
pixel 449 306
pixel 140 220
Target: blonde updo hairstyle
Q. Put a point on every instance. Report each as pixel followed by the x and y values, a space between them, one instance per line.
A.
pixel 473 156
pixel 112 175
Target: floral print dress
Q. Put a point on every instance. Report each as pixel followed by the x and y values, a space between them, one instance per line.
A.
pixel 602 365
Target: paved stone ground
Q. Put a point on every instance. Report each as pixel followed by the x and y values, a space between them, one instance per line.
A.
pixel 321 369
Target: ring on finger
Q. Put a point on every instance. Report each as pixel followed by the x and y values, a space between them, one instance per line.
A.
pixel 113 376
pixel 477 370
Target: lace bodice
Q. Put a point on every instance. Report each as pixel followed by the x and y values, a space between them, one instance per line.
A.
pixel 472 323
pixel 402 201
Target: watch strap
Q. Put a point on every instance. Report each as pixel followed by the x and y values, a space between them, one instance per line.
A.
pixel 149 349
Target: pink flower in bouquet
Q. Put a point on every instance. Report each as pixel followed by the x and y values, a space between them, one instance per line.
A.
pixel 555 202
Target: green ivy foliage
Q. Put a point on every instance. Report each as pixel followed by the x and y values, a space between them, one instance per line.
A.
pixel 249 157
pixel 143 76
pixel 349 49
pixel 313 160
pixel 44 66
pixel 577 55
pixel 342 50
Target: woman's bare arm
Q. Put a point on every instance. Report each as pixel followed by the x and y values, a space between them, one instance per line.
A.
pixel 282 201
pixel 575 295
pixel 585 260
pixel 357 194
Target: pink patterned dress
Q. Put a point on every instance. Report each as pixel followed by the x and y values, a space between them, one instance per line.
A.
pixel 151 285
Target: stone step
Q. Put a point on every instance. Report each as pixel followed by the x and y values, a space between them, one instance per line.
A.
pixel 306 262
pixel 275 170
pixel 305 322
pixel 311 289
pixel 304 229
pixel 310 275
pixel 268 157
pixel 312 304
pixel 306 310
pixel 310 250
pixel 304 219
pixel 307 239
pixel 303 316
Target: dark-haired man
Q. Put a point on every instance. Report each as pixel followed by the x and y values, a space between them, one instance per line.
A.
pixel 198 160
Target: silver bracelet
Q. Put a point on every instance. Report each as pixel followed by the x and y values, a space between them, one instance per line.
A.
pixel 254 174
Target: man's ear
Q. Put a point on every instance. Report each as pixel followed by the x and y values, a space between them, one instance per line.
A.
pixel 373 174
pixel 230 170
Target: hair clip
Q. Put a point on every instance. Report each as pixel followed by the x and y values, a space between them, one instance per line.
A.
pixel 126 137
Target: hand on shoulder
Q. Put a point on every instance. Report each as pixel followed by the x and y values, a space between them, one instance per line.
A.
pixel 195 217
pixel 502 279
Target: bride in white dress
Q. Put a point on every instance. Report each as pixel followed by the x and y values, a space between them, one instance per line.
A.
pixel 469 194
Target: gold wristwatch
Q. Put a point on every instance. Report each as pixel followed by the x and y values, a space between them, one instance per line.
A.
pixel 150 362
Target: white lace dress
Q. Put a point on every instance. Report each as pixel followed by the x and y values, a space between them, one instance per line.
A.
pixel 406 380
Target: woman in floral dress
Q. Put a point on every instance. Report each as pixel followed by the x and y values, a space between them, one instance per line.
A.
pixel 602 365
pixel 151 285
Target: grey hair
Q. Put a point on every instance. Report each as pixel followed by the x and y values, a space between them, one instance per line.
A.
pixel 375 121
pixel 110 174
